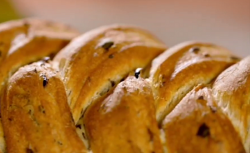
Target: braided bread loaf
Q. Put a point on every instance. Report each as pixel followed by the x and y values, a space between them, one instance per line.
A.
pixel 118 89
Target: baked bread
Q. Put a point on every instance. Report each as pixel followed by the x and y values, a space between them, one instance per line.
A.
pixel 29 40
pixel 26 41
pixel 232 94
pixel 116 89
pixel 197 121
pixel 103 51
pixel 175 72
pixel 37 96
pixel 127 115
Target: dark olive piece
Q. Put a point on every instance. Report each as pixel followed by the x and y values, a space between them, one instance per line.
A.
pixel 194 49
pixel 107 45
pixel 83 135
pixel 45 81
pixel 138 72
pixel 46 59
pixel 29 112
pixel 201 98
pixel 52 55
pixel 112 83
pixel 79 126
pixel 151 135
pixel 29 150
pixel 203 131
pixel 206 55
pixel 111 56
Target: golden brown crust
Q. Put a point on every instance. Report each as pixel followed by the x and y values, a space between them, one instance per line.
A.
pixel 2 140
pixel 232 92
pixel 196 124
pixel 125 121
pixel 96 115
pixel 97 60
pixel 28 40
pixel 14 31
pixel 175 72
pixel 35 113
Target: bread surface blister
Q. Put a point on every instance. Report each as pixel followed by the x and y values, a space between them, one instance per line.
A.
pixel 119 89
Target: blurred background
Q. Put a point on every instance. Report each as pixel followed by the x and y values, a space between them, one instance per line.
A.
pixel 224 22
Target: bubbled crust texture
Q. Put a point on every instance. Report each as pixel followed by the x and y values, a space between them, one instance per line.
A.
pixel 37 96
pixel 192 97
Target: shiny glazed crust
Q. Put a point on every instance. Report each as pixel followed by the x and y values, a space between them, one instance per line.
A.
pixel 109 53
pixel 175 72
pixel 232 93
pixel 28 40
pixel 127 116
pixel 116 89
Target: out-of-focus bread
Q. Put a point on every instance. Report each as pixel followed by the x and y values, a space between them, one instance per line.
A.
pixel 15 33
pixel 232 93
pixel 197 125
pixel 28 40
